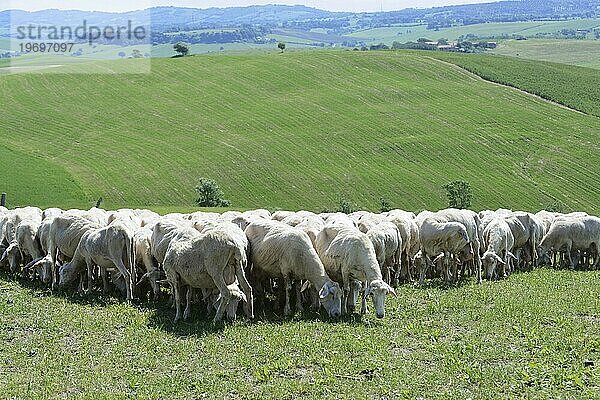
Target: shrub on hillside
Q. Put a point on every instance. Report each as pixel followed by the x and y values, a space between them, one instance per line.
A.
pixel 459 194
pixel 210 194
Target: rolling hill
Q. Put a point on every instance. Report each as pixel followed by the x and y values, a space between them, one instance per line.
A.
pixel 295 130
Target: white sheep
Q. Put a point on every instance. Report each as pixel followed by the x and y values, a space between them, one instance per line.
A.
pixel 281 251
pixel 348 255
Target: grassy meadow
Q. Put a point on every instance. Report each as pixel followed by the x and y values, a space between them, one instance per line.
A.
pixel 397 125
pixel 534 335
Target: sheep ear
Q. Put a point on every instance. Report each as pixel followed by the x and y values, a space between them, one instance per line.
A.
pixel 305 286
pixel 324 291
pixel 500 260
pixel 511 255
pixel 391 290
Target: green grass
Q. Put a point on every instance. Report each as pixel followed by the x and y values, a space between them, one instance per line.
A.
pixel 527 29
pixel 584 53
pixel 525 337
pixel 572 86
pixel 295 131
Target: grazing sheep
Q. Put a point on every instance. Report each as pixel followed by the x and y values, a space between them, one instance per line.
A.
pixel 409 233
pixel 573 234
pixel 281 251
pixel 51 213
pixel 241 240
pixel 348 255
pixel 470 220
pixel 441 240
pixel 142 246
pixel 65 233
pixel 527 232
pixel 165 231
pixel 498 241
pixel 387 243
pixel 204 261
pixel 107 247
pixel 281 215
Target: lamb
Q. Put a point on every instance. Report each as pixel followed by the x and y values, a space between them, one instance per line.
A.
pixel 387 243
pixel 281 251
pixel 64 235
pixel 348 255
pixel 499 241
pixel 106 247
pixel 577 233
pixel 440 240
pixel 204 261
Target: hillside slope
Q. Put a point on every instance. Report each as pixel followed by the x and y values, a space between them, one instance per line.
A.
pixel 296 130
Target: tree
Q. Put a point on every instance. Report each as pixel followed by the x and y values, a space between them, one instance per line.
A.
pixel 122 54
pixel 182 49
pixel 345 206
pixel 384 205
pixel 137 54
pixel 210 194
pixel 459 194
pixel 281 46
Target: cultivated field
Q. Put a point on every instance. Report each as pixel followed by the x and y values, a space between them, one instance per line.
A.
pixel 397 125
pixel 584 53
pixel 406 33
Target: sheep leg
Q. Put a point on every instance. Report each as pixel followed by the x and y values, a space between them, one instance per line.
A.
pixel 571 262
pixel 299 307
pixel 177 299
pixel 126 276
pixel 188 305
pixel 363 304
pixel 90 272
pixel 103 274
pixel 246 289
pixel 346 294
pixel 287 284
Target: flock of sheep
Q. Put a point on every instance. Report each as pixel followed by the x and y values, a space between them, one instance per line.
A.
pixel 328 260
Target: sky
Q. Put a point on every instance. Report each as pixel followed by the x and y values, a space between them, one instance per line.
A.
pixel 128 5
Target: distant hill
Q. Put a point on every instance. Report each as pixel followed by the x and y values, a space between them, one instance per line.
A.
pixel 302 17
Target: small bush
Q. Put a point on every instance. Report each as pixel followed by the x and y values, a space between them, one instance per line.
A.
pixel 345 206
pixel 557 206
pixel 459 194
pixel 210 194
pixel 384 205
